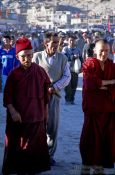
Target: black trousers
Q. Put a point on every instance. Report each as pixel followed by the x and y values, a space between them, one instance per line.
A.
pixel 71 88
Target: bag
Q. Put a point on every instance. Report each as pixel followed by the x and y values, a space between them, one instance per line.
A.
pixel 75 65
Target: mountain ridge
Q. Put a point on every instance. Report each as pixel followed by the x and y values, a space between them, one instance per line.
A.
pixel 96 6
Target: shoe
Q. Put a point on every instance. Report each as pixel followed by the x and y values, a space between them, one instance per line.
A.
pixel 67 103
pixel 98 172
pixel 85 170
pixel 52 162
pixel 72 103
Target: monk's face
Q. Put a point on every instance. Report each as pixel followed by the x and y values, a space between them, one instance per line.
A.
pixel 102 51
pixel 25 58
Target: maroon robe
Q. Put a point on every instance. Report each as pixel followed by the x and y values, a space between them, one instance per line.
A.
pixel 26 149
pixel 97 145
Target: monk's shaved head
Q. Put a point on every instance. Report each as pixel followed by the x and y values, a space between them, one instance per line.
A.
pixel 102 49
pixel 101 42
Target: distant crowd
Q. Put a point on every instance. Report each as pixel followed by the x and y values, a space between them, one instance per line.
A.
pixel 83 41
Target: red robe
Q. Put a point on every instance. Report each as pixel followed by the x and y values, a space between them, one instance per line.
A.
pixel 26 149
pixel 98 133
pixel 27 91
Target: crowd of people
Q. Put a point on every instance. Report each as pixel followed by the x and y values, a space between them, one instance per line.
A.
pixel 33 71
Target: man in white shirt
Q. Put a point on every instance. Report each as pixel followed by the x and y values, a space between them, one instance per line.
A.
pixel 57 68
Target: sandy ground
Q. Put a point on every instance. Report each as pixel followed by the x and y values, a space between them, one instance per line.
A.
pixel 68 160
pixel 67 155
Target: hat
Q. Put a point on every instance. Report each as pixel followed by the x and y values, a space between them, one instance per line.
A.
pixel 23 44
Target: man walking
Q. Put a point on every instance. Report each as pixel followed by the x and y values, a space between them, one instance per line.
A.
pixel 57 68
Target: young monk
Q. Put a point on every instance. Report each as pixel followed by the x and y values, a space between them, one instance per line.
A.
pixel 98 133
pixel 26 98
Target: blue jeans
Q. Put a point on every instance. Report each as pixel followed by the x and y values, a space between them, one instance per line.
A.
pixel 4 78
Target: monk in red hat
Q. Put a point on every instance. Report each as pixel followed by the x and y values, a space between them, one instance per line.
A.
pixel 26 98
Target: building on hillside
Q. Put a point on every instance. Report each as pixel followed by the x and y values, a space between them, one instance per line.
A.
pixel 12 18
pixel 8 19
pixel 51 16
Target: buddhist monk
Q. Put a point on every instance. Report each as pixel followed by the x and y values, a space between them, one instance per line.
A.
pixel 25 98
pixel 98 133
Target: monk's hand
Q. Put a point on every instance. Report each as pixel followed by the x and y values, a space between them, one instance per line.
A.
pixel 108 82
pixel 51 90
pixel 16 117
pixel 103 87
pixel 112 81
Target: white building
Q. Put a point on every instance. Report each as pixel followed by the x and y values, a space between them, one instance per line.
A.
pixel 48 17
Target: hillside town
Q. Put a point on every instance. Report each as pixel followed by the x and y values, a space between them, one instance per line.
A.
pixel 55 15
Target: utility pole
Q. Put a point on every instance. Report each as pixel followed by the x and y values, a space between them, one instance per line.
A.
pixel 86 9
pixel 55 4
pixel 87 17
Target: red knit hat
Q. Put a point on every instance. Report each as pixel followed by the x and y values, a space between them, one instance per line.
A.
pixel 23 44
